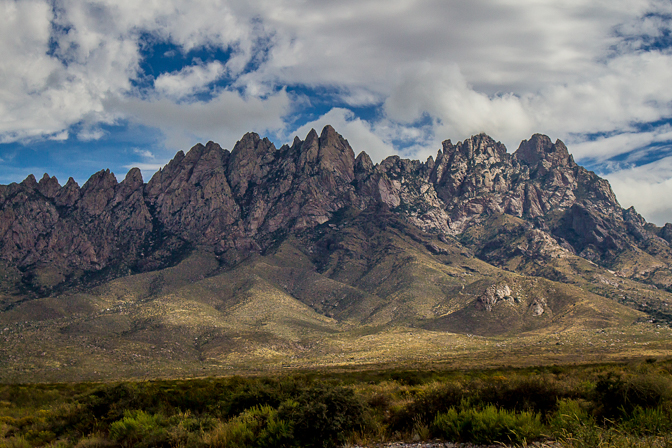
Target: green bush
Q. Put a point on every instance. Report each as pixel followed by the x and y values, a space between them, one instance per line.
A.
pixel 488 425
pixel 324 416
pixel 253 394
pixel 140 429
pixel 430 401
pixel 539 393
pixel 571 417
pixel 15 442
pixel 617 396
pixel 648 421
pixel 257 427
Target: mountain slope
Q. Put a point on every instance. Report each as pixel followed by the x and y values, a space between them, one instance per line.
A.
pixel 302 254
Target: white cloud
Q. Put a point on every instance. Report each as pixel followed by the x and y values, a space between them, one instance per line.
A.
pixel 505 67
pixel 144 153
pixel 223 119
pixel 88 134
pixel 606 147
pixel 460 110
pixel 647 187
pixel 189 80
pixel 501 66
pixel 60 136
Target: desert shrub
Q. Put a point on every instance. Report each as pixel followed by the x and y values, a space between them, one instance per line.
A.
pixel 324 416
pixel 70 419
pixel 232 434
pixel 571 418
pixel 140 429
pixel 574 427
pixel 40 437
pixel 429 401
pixel 15 442
pixel 240 394
pixel 488 425
pixel 184 429
pixel 109 402
pixel 617 395
pixel 251 395
pixel 539 393
pixel 407 378
pixel 647 421
pixel 568 414
pixel 95 440
pixel 256 427
pixel 31 395
pixel 379 401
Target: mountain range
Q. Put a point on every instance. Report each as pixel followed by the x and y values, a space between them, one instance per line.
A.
pixel 308 255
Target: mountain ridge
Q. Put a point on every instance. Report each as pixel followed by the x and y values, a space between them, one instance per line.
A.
pixel 279 254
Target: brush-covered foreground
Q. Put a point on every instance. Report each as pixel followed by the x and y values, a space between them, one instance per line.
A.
pixel 580 406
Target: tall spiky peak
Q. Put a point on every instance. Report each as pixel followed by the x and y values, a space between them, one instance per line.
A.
pixel 250 161
pixel 335 154
pixel 98 191
pixel 48 186
pixel 540 148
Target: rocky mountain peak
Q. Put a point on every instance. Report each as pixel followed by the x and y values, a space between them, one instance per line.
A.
pixel 363 165
pixel 540 148
pixel 69 194
pixel 335 154
pixel 666 233
pixel 29 182
pixel 48 186
pixel 98 191
pixel 309 150
pixel 102 180
pixel 133 179
pixel 250 161
pixel 132 183
pixel 476 149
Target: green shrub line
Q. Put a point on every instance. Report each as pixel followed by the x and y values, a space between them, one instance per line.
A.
pixel 627 405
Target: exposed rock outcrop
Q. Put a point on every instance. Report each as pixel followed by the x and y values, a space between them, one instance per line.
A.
pixel 493 295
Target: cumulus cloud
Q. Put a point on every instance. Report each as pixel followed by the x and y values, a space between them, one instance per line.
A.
pixel 432 69
pixel 189 80
pixel 605 147
pixel 62 60
pixel 223 119
pixel 458 109
pixel 88 134
pixel 504 67
pixel 144 153
pixel 31 82
pixel 647 187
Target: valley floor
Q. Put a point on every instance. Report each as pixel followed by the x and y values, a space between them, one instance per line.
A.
pixel 31 352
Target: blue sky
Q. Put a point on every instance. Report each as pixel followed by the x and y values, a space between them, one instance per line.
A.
pixel 93 84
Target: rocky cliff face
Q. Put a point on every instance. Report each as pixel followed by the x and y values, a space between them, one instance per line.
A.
pixel 247 200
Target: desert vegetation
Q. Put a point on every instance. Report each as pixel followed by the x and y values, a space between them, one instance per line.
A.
pixel 614 405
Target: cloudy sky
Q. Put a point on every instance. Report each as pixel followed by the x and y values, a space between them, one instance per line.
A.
pixel 86 85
